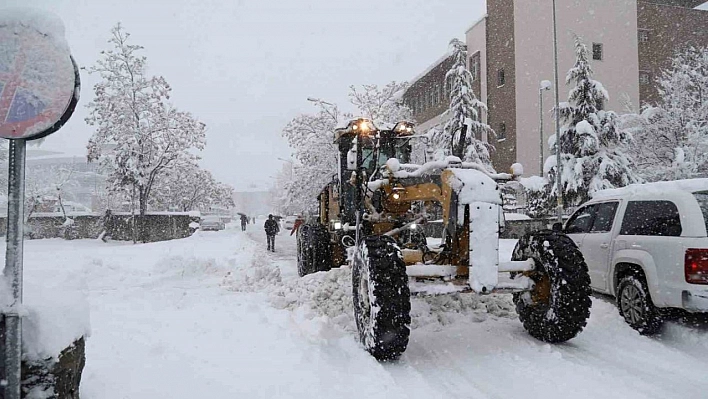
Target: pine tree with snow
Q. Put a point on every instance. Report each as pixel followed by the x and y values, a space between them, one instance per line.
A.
pixel 139 134
pixel 464 133
pixel 593 149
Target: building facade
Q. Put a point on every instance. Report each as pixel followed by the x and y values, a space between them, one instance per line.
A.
pixel 511 52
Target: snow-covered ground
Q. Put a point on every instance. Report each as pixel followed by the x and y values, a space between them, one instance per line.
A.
pixel 216 316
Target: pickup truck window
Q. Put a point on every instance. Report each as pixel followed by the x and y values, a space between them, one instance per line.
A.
pixel 604 216
pixel 702 198
pixel 581 221
pixel 651 218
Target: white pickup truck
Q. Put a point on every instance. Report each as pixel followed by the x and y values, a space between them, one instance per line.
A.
pixel 647 245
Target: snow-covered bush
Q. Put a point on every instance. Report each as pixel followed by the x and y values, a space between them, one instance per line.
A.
pixel 672 137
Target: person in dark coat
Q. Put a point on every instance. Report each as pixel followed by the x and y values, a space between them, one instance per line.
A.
pixel 271 229
pixel 244 222
pixel 108 226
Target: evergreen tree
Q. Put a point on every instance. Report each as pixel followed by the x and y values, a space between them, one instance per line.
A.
pixel 464 130
pixel 592 146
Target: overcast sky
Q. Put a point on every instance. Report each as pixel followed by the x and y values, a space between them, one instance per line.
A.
pixel 246 67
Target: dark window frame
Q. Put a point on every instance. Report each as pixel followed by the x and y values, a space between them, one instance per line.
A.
pixel 501 77
pixel 501 136
pixel 598 52
pixel 592 208
pixel 596 217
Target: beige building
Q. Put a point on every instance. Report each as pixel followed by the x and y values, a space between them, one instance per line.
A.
pixel 511 52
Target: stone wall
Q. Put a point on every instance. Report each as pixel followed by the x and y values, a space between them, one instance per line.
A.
pixel 161 227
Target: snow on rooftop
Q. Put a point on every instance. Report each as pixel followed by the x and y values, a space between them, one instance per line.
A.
pixel 688 185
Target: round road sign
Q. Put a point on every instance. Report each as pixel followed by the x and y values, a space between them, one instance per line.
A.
pixel 39 81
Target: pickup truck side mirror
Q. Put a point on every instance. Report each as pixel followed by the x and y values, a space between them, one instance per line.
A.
pixel 557 227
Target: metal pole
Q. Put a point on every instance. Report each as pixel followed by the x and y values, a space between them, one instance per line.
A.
pixel 540 114
pixel 13 267
pixel 559 185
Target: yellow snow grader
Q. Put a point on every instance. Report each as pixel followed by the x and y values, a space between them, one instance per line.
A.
pixel 371 216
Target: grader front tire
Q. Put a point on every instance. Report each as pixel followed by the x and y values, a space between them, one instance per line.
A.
pixel 382 302
pixel 557 309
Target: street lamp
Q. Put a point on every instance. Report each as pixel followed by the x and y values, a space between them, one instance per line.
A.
pixel 559 185
pixel 544 86
pixel 290 168
pixel 317 100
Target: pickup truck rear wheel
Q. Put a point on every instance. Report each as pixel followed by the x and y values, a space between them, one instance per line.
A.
pixel 558 307
pixel 635 305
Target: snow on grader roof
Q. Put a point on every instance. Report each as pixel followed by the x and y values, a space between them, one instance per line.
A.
pixel 369 219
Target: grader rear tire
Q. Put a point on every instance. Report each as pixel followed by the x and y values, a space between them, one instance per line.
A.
pixel 382 301
pixel 557 309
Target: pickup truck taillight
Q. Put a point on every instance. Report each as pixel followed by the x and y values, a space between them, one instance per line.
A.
pixel 696 266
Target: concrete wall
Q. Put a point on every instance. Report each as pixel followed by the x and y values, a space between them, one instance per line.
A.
pixel 427 96
pixel 476 40
pixel 612 23
pixel 500 99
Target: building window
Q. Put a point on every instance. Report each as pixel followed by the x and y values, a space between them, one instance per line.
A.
pixel 643 36
pixel 501 134
pixel 474 66
pixel 597 53
pixel 501 79
pixel 644 78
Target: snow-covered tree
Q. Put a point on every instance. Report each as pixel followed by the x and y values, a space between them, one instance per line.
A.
pixel 672 136
pixel 189 187
pixel 464 133
pixel 139 135
pixel 311 135
pixel 593 149
pixel 383 106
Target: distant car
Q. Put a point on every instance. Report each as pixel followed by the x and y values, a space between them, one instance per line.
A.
pixel 211 223
pixel 647 245
pixel 289 222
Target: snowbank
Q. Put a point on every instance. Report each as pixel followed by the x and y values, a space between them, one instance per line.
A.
pixel 533 183
pixel 55 313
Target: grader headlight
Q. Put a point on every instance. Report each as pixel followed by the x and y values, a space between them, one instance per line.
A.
pixel 363 126
pixel 403 128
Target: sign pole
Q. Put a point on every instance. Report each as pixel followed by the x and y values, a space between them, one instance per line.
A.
pixel 13 266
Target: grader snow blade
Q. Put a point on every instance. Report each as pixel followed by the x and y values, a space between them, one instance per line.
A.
pixel 371 216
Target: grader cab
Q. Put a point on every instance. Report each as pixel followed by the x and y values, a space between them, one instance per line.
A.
pixel 371 217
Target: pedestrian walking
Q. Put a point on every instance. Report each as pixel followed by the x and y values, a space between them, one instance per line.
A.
pixel 271 229
pixel 108 225
pixel 244 222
